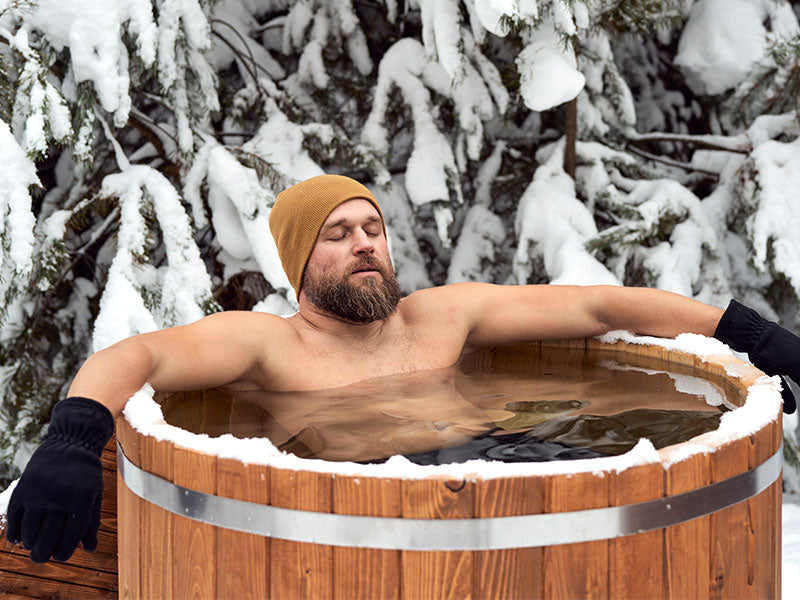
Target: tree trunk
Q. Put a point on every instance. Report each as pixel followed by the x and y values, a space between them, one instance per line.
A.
pixel 571 135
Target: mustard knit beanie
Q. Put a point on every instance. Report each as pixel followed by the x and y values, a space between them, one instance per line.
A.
pixel 300 211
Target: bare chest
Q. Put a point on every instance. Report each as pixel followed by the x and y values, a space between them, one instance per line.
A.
pixel 320 363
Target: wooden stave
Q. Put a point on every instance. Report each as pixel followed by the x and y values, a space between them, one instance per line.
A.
pixel 301 570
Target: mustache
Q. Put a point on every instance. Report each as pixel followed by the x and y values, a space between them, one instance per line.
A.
pixel 369 261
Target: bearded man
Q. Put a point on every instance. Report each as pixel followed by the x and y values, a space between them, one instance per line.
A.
pixel 351 325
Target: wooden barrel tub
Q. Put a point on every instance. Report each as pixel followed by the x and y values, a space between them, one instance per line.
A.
pixel 703 520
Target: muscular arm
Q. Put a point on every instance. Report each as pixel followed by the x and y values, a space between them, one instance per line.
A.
pixel 509 314
pixel 218 349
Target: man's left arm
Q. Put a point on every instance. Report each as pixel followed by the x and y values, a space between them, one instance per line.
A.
pixel 518 313
pixel 510 314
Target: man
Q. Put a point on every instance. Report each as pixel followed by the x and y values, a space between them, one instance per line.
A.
pixel 351 325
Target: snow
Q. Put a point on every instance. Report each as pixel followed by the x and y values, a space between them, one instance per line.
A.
pixel 17 172
pixel 775 221
pixel 600 104
pixel 791 545
pixel 234 25
pixel 487 14
pixel 552 223
pixel 240 203
pixel 275 304
pixel 183 286
pixel 690 343
pixel 661 228
pixel 405 67
pixel 312 27
pixel 680 260
pixel 5 496
pixel 474 255
pixel 478 95
pixel 482 230
pixel 37 102
pixel 562 17
pixel 441 34
pixel 240 209
pixel 548 73
pixel 702 255
pixel 723 39
pixel 403 244
pixel 281 143
pixel 297 21
pixel 91 30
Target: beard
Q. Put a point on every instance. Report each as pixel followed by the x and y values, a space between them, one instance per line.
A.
pixel 374 299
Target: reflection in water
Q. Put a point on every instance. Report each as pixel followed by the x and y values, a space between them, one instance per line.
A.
pixel 529 413
pixel 553 408
pixel 581 436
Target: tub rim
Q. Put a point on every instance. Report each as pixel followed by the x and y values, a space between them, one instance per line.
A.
pixel 761 407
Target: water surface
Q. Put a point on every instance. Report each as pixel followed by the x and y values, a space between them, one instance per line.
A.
pixel 548 407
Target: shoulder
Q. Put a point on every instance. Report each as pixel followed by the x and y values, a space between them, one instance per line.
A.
pixel 244 323
pixel 452 292
pixel 242 317
pixel 453 300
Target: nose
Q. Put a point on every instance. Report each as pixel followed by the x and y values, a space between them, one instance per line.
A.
pixel 362 244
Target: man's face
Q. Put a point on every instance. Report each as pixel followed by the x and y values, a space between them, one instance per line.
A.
pixel 349 273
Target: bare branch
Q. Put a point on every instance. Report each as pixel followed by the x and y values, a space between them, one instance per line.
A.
pixel 739 144
pixel 671 162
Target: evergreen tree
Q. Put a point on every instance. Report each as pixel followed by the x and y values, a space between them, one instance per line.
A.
pixel 143 143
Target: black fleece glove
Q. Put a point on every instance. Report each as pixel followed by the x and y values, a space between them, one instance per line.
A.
pixel 56 504
pixel 771 348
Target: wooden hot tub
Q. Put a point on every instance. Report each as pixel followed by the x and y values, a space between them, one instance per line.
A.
pixel 703 521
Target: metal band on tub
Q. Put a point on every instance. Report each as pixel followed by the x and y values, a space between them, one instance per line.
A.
pixel 493 533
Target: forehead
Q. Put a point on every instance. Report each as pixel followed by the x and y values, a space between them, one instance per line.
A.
pixel 357 210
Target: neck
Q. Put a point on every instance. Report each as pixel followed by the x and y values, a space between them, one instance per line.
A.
pixel 325 322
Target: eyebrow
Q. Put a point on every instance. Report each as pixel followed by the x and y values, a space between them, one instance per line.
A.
pixel 346 221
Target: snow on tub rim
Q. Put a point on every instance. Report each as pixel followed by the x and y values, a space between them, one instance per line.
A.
pixel 226 517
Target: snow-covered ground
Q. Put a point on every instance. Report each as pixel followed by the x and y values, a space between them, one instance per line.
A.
pixel 791 545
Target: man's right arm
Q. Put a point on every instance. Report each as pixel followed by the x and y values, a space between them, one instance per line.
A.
pixel 56 504
pixel 215 350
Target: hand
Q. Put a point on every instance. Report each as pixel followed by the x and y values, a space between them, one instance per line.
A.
pixel 56 504
pixel 771 348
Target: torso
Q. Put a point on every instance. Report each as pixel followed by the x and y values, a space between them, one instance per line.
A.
pixel 373 416
pixel 423 334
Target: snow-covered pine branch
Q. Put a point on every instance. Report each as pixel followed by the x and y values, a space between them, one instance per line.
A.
pixel 553 228
pixel 17 221
pixel 140 296
pixel 450 110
